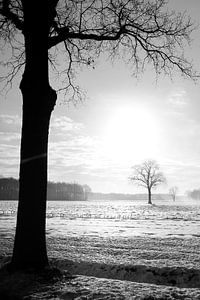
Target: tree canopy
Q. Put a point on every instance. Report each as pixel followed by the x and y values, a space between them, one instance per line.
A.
pixel 140 32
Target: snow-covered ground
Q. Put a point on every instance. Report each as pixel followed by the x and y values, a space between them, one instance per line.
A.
pixel 114 218
pixel 138 249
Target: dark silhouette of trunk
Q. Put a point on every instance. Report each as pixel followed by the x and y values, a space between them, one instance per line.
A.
pixel 38 102
pixel 149 196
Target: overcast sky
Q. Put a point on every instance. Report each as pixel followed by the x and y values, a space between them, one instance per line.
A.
pixel 123 121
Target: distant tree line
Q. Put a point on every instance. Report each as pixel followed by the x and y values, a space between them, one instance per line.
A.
pixel 9 189
pixel 194 194
pixel 120 196
pixel 67 191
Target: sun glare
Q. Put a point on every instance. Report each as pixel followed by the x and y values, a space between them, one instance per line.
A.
pixel 131 132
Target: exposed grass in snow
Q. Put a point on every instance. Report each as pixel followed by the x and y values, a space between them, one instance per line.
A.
pixel 155 252
pixel 138 263
pixel 27 286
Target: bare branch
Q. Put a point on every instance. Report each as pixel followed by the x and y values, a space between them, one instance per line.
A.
pixel 6 10
pixel 147 175
pixel 140 32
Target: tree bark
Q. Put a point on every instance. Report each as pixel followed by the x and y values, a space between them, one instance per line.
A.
pixel 38 103
pixel 149 196
pixel 30 243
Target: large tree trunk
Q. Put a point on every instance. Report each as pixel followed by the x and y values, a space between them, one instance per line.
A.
pixel 38 102
pixel 30 245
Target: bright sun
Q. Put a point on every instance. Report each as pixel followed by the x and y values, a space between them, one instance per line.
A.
pixel 131 132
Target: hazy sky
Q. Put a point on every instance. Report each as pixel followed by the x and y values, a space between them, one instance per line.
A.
pixel 123 122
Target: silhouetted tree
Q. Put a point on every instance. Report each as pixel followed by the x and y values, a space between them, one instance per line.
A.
pixel 74 33
pixel 173 192
pixel 147 175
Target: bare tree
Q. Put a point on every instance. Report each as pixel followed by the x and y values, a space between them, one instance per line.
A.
pixel 173 192
pixel 147 175
pixel 87 191
pixel 58 37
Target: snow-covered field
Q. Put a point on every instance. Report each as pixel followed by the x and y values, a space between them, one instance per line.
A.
pixel 151 247
pixel 114 218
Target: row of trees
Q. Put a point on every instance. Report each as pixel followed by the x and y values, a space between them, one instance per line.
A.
pixel 40 36
pixel 148 175
pixel 67 191
pixel 9 190
pixel 195 194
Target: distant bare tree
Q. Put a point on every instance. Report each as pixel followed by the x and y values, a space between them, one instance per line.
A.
pixel 87 190
pixel 147 175
pixel 173 192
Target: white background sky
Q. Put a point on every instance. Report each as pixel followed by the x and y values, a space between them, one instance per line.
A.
pixel 123 122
